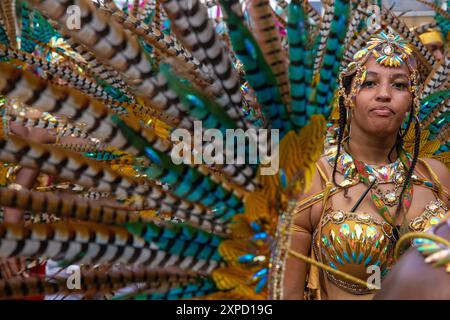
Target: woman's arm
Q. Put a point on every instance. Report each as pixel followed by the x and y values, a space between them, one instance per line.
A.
pixel 295 270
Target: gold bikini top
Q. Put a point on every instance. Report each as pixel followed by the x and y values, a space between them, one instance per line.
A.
pixel 357 243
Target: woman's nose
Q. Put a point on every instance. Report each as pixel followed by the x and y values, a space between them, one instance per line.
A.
pixel 384 93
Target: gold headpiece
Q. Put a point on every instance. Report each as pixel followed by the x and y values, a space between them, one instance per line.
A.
pixel 389 50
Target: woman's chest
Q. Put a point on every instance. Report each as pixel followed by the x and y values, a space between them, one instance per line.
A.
pixel 420 205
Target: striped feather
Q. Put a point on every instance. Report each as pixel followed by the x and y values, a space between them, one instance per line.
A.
pixel 67 208
pixel 106 40
pixel 436 8
pixel 257 71
pixel 90 244
pixel 102 71
pixel 312 13
pixel 195 30
pixel 73 77
pixel 48 97
pixel 63 128
pixel 355 44
pixel 193 290
pixel 92 174
pixel 269 40
pixel 394 22
pixel 160 41
pixel 438 78
pixel 148 11
pixel 8 10
pixel 94 282
pixel 424 28
pixel 325 28
pixel 185 181
pixel 322 94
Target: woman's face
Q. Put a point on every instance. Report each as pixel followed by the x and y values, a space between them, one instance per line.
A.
pixel 383 100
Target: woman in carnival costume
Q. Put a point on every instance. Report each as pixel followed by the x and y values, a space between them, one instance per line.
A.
pixel 368 190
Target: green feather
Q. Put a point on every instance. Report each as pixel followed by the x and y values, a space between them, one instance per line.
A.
pixel 199 104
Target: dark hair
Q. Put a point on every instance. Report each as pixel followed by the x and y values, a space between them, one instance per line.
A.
pixel 346 81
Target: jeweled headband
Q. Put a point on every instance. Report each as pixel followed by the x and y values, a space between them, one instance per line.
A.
pixel 389 50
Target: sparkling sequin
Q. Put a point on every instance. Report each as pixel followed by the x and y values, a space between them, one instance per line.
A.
pixel 358 231
pixel 344 230
pixel 434 221
pixel 371 232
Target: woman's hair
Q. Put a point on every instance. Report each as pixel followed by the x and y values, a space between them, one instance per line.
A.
pixel 343 122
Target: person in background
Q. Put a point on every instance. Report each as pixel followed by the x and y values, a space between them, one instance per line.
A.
pixel 432 39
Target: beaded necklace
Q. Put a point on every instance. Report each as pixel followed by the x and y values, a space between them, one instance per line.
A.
pixel 375 175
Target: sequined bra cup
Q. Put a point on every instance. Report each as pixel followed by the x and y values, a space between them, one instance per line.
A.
pixel 352 242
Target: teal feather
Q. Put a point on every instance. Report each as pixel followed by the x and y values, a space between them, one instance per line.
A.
pixel 258 73
pixel 428 104
pixel 301 61
pixel 42 30
pixel 185 181
pixel 149 18
pixel 3 36
pixel 444 148
pixel 101 155
pixel 27 45
pixel 148 51
pixel 113 92
pixel 442 21
pixel 198 104
pixel 438 124
pixel 192 290
pixel 321 97
pixel 125 6
pixel 180 239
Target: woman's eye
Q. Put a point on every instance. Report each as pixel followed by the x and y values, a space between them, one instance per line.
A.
pixel 400 85
pixel 368 84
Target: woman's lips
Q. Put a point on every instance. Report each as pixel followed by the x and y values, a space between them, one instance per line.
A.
pixel 382 112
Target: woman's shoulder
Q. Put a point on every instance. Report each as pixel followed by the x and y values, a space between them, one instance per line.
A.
pixel 436 171
pixel 306 199
pixel 437 167
pixel 435 164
